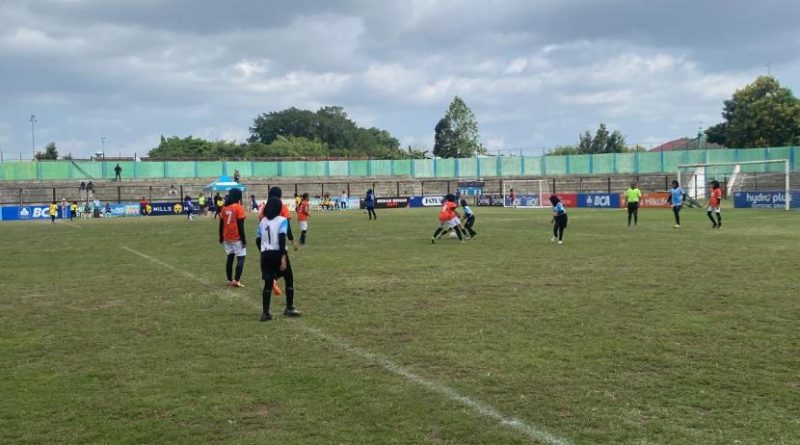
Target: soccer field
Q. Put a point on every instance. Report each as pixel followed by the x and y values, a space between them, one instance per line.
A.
pixel 122 331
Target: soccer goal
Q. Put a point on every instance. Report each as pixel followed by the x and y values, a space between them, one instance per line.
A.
pixel 744 176
pixel 526 193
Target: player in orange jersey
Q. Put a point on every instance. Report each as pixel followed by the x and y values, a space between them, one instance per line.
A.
pixel 713 205
pixel 302 217
pixel 448 218
pixel 231 235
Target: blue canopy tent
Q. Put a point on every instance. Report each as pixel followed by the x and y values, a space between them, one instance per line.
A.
pixel 224 184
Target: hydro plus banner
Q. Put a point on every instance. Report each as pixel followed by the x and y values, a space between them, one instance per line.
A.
pixel 764 200
pixel 599 200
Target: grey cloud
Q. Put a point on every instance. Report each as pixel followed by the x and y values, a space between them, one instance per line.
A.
pixel 535 73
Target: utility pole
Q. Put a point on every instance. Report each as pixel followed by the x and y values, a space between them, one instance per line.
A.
pixel 32 120
pixel 103 142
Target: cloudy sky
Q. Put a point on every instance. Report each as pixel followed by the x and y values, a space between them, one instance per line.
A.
pixel 535 72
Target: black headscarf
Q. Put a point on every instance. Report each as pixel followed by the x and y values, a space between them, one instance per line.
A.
pixel 273 207
pixel 554 200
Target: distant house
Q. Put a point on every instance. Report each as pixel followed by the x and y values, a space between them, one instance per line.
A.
pixel 687 144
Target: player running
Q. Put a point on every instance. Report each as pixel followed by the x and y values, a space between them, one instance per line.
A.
pixel 676 197
pixel 231 235
pixel 53 209
pixel 713 205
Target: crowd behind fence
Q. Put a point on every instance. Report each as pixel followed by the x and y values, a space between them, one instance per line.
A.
pixel 482 167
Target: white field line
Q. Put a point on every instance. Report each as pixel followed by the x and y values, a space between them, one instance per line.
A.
pixel 189 275
pixel 484 409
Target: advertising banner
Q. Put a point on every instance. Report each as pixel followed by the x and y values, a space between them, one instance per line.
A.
pixel 568 199
pixel 654 199
pixel 16 213
pixel 389 203
pixel 764 200
pixel 599 200
pixel 166 208
pixel 426 201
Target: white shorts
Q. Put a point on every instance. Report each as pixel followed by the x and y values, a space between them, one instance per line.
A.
pixel 234 247
pixel 303 225
pixel 713 209
pixel 451 223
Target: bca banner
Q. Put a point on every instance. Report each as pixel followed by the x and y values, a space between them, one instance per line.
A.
pixel 602 200
pixel 15 213
pixel 764 200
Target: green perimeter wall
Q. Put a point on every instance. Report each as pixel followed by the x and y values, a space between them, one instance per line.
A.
pixel 597 164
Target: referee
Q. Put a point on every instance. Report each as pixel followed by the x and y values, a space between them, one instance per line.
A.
pixel 632 197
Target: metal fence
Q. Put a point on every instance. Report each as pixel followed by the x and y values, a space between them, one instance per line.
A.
pixel 488 167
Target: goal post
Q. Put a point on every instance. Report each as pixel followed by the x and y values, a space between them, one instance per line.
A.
pixel 526 193
pixel 773 174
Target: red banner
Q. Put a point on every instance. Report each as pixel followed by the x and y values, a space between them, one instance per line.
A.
pixel 655 199
pixel 568 199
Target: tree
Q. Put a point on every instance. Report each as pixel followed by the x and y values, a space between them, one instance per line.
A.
pixel 563 150
pixel 616 143
pixel 444 145
pixel 457 132
pixel 585 143
pixel 762 114
pixel 600 140
pixel 328 125
pixel 717 134
pixel 50 153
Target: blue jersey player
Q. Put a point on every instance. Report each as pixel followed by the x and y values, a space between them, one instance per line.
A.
pixel 676 197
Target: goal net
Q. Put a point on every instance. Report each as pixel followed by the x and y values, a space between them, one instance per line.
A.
pixel 526 193
pixel 760 184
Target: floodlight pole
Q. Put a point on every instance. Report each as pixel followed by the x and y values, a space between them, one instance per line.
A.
pixel 32 120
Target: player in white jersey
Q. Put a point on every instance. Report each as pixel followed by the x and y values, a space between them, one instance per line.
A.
pixel 273 229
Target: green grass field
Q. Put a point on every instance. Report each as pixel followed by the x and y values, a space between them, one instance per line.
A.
pixel 122 331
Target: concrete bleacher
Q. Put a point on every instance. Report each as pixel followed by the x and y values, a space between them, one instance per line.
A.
pixel 42 192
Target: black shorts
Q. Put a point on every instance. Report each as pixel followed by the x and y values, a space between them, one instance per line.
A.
pixel 633 206
pixel 271 264
pixel 561 220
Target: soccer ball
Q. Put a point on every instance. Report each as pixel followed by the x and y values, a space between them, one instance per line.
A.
pixel 453 235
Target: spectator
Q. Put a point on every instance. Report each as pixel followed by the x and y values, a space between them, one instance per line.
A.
pixel 82 187
pixel 201 204
pixel 236 176
pixel 64 207
pixel 253 203
pixel 343 201
pixel 107 210
pixel 118 173
pixel 143 206
pixel 218 204
pixel 172 190
pixel 90 187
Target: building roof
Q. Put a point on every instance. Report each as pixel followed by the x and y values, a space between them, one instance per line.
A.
pixel 687 144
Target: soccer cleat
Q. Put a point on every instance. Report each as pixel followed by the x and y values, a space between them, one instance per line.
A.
pixel 714 226
pixel 433 240
pixel 276 289
pixel 553 239
pixel 266 317
pixel 235 283
pixel 230 283
pixel 292 312
pixel 561 242
pixel 677 226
